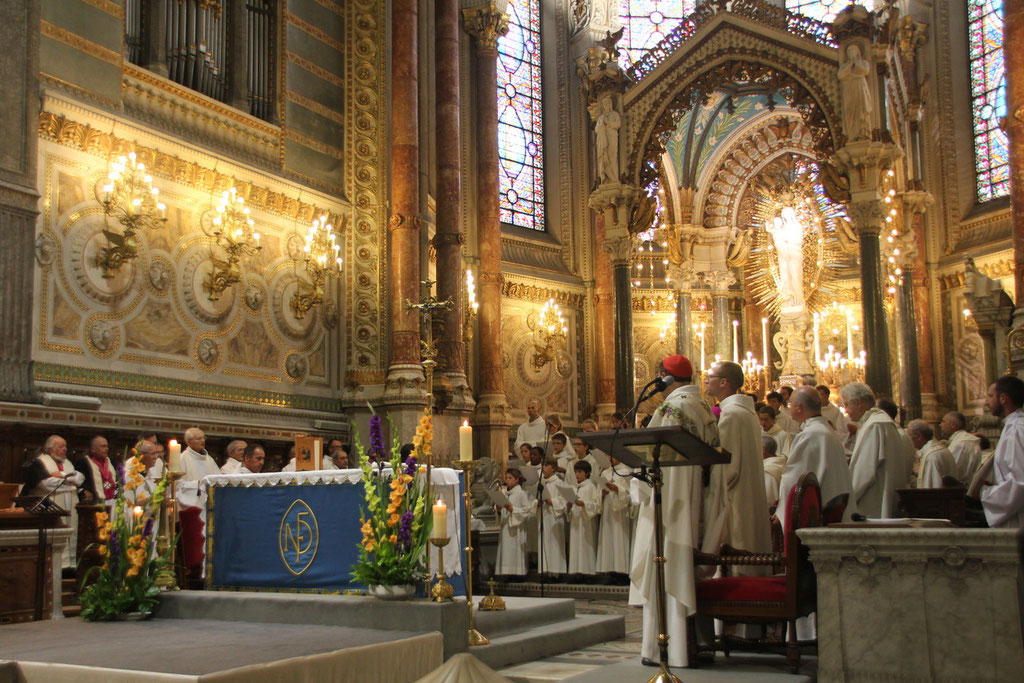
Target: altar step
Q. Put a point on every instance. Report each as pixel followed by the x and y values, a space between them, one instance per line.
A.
pixel 578 591
pixel 70 605
pixel 534 628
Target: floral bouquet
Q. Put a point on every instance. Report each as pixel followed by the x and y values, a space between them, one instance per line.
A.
pixel 126 581
pixel 396 520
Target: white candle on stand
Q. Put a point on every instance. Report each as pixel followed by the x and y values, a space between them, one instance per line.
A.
pixel 764 340
pixel 440 511
pixel 465 442
pixel 736 341
pixel 174 456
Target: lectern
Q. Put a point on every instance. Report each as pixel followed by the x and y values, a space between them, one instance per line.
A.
pixel 651 449
pixel 40 514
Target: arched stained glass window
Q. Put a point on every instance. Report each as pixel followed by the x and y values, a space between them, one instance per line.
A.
pixel 988 97
pixel 822 10
pixel 645 23
pixel 520 119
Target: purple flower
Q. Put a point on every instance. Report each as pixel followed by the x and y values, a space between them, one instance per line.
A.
pixel 115 551
pixel 405 531
pixel 119 469
pixel 376 439
pixel 147 530
pixel 410 465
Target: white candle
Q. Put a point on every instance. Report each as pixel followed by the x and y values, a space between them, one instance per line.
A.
pixel 736 341
pixel 764 340
pixel 465 442
pixel 174 456
pixel 440 511
pixel 703 366
pixel 849 336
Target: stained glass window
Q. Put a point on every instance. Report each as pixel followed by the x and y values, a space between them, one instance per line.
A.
pixel 988 93
pixel 645 23
pixel 822 10
pixel 520 120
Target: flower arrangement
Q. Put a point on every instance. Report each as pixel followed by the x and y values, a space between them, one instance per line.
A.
pixel 395 522
pixel 125 582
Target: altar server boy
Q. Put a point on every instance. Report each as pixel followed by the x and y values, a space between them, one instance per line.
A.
pixel 552 546
pixel 513 520
pixel 613 537
pixel 583 522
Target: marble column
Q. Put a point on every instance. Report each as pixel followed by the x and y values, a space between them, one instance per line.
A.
pixel 917 388
pixel 618 248
pixel 491 418
pixel 449 238
pixel 604 324
pixel 868 218
pixel 684 324
pixel 1013 31
pixel 19 115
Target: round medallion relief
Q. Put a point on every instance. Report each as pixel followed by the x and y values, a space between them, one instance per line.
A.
pixel 198 266
pixel 87 244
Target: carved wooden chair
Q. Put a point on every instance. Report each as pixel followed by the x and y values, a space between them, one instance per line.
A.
pixel 833 510
pixel 767 599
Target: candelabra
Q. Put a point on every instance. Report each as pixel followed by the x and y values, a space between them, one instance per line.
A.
pixel 549 334
pixel 165 578
pixel 131 199
pixel 233 231
pixel 442 590
pixel 472 307
pixel 322 262
pixel 475 637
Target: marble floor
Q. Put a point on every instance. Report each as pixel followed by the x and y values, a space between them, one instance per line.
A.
pixel 618 661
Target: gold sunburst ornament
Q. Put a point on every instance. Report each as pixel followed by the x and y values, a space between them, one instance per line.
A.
pixel 795 251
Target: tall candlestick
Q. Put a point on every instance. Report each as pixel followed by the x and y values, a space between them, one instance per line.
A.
pixel 849 336
pixel 465 442
pixel 174 456
pixel 440 511
pixel 736 341
pixel 764 340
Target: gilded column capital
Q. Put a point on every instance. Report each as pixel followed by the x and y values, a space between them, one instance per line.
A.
pixel 917 201
pixel 486 23
pixel 867 217
pixel 618 249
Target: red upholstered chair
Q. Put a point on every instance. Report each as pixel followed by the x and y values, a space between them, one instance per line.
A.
pixel 833 511
pixel 768 599
pixel 193 554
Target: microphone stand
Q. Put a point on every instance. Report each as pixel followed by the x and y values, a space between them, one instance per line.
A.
pixel 540 533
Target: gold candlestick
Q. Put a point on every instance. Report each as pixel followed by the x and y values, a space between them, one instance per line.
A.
pixel 442 590
pixel 475 637
pixel 166 578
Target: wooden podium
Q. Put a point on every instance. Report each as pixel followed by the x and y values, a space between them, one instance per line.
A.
pixel 27 560
pixel 651 449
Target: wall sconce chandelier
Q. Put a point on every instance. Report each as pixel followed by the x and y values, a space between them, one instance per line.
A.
pixel 131 199
pixel 549 334
pixel 322 262
pixel 233 230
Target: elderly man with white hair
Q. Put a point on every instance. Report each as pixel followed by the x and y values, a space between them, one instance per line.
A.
pixel 533 431
pixel 52 472
pixel 816 448
pixel 234 451
pixel 934 461
pixel 196 463
pixel 879 464
pixel 964 446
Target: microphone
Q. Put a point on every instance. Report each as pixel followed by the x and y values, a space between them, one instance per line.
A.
pixel 659 385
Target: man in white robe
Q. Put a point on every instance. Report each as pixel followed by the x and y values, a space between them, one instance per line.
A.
pixel 773 467
pixel 196 463
pixel 965 447
pixel 777 403
pixel 253 458
pixel 934 461
pixel 879 462
pixel 234 452
pixel 533 430
pixel 817 449
pixel 736 492
pixel 681 511
pixel 835 417
pixel 1003 501
pixel 766 416
pixel 52 472
pixel 99 473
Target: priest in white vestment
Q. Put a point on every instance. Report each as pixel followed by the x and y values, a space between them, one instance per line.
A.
pixel 766 415
pixel 773 467
pixel 51 473
pixel 965 447
pixel 533 430
pixel 736 492
pixel 817 449
pixel 934 461
pixel 1003 501
pixel 681 511
pixel 777 403
pixel 196 463
pixel 834 416
pixel 234 453
pixel 878 465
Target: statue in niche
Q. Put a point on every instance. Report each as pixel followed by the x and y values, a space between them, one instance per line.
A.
pixel 607 130
pixel 788 237
pixel 857 108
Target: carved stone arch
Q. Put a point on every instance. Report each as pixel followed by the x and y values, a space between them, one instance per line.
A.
pixel 795 69
pixel 743 159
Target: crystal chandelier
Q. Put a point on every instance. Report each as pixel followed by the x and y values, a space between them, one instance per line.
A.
pixel 131 199
pixel 549 334
pixel 233 230
pixel 322 262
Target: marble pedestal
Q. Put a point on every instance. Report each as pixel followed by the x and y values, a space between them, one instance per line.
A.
pixel 917 604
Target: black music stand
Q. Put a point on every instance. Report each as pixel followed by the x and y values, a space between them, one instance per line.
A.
pixel 651 449
pixel 45 515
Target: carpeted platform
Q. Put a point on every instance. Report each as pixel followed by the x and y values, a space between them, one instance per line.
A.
pixel 736 668
pixel 186 649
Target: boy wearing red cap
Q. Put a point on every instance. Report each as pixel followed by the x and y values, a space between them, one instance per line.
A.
pixel 681 510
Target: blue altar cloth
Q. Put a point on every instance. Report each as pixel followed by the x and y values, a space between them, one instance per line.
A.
pixel 289 535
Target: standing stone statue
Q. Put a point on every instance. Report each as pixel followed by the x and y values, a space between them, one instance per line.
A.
pixel 857 107
pixel 788 236
pixel 607 130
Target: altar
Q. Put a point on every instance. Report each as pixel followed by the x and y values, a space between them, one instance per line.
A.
pixel 299 531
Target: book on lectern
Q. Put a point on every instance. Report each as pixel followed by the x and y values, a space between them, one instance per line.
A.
pixel 309 453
